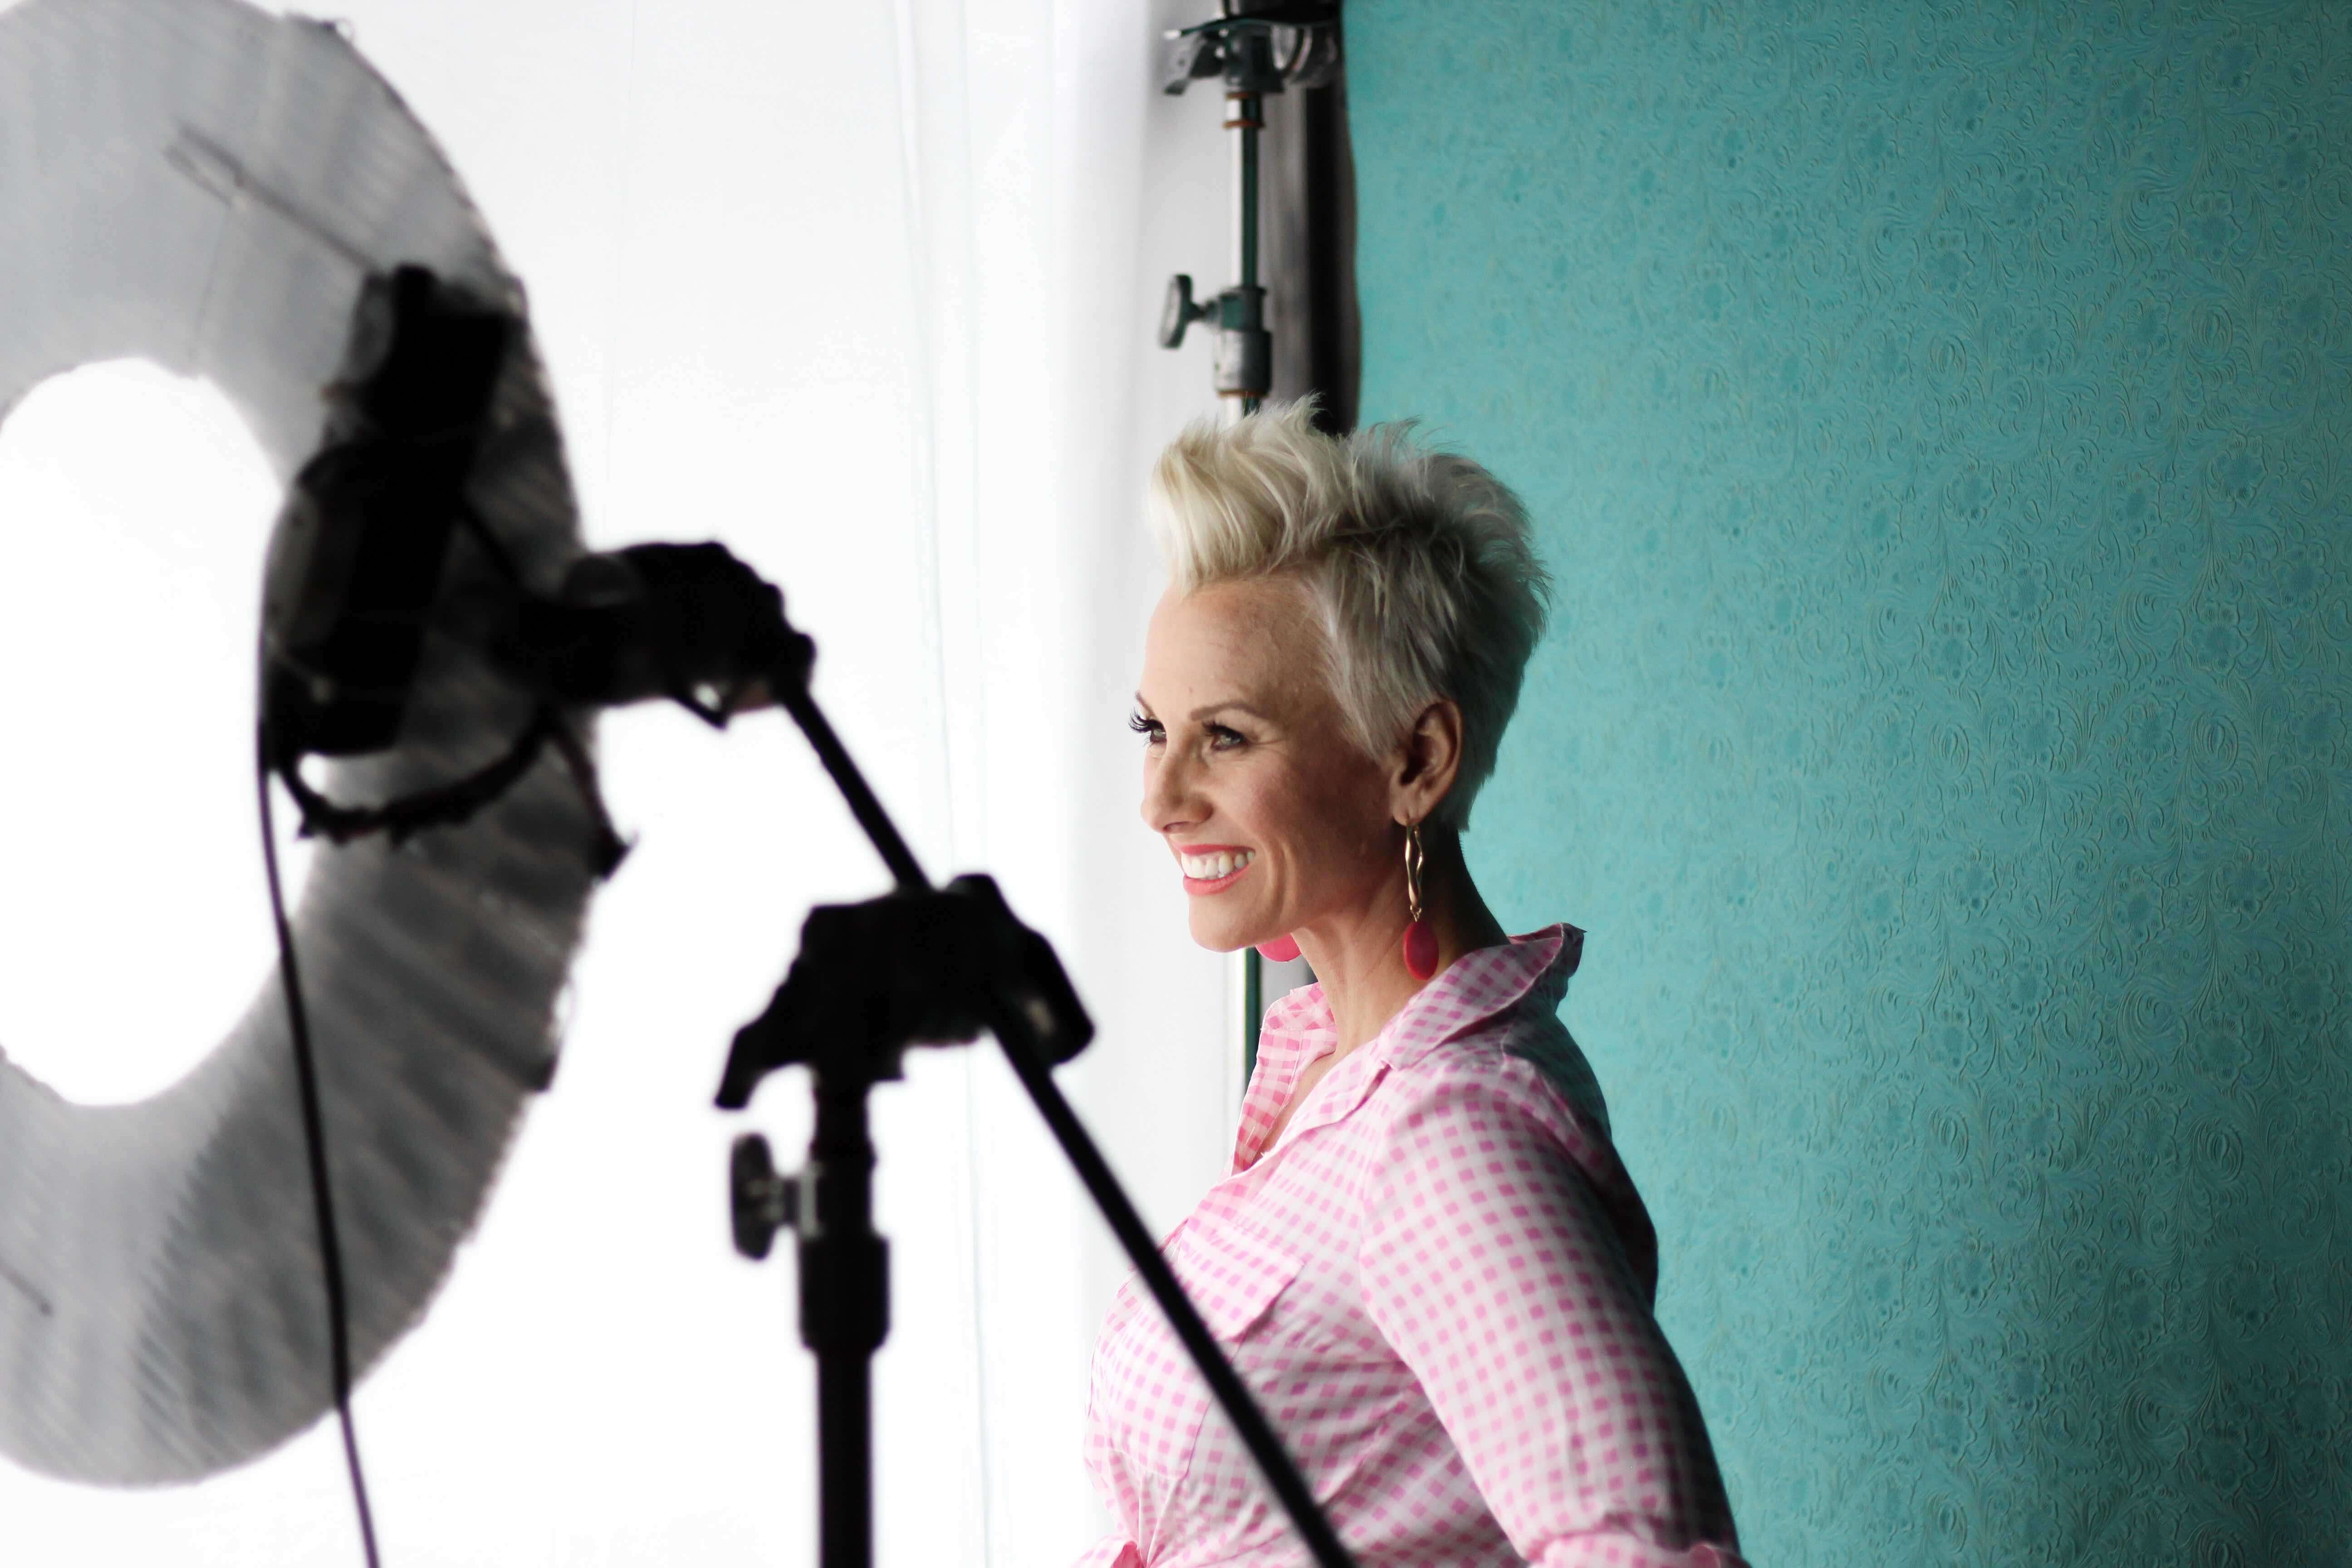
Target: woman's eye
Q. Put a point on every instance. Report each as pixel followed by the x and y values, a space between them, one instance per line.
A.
pixel 1224 740
pixel 1149 728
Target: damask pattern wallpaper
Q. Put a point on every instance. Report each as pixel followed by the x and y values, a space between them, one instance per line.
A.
pixel 1937 417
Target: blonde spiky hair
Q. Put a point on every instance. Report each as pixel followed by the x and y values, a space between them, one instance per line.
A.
pixel 1419 562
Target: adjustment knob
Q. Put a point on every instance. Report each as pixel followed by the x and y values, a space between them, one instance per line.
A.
pixel 763 1203
pixel 1181 310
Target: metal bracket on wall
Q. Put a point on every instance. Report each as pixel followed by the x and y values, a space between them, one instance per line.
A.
pixel 1259 51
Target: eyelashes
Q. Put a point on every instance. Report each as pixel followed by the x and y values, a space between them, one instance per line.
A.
pixel 1221 738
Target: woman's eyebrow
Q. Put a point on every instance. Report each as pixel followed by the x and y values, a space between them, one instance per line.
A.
pixel 1198 714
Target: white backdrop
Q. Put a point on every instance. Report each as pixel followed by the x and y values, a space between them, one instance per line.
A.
pixel 865 292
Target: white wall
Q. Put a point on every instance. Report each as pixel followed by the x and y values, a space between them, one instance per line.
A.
pixel 910 377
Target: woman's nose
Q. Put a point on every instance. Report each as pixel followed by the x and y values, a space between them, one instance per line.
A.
pixel 1169 798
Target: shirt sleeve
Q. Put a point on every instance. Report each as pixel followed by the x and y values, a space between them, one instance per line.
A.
pixel 1490 1264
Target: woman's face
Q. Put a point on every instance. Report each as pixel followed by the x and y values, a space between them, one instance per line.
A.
pixel 1275 816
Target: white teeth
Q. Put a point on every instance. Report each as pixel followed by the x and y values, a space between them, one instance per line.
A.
pixel 1209 867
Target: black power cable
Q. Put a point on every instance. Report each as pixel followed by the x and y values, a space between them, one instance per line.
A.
pixel 314 1137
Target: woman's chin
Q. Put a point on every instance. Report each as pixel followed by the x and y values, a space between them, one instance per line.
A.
pixel 1220 936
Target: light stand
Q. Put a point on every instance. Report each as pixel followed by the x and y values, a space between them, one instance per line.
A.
pixel 921 966
pixel 353 590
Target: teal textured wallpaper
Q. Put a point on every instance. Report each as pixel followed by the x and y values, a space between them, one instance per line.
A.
pixel 1937 417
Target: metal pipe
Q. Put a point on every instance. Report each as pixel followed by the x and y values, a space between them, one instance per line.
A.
pixel 1247 118
pixel 1245 125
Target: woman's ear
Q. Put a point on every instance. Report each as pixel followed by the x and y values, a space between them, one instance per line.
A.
pixel 1427 763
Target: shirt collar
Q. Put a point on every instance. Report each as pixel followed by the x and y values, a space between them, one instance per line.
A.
pixel 1529 970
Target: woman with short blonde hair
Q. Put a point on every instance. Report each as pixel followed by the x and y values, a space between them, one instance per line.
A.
pixel 1428 1261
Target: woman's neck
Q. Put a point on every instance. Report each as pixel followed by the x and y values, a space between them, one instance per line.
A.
pixel 1358 954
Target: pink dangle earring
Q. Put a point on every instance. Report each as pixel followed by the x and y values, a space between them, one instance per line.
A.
pixel 1420 942
pixel 1281 950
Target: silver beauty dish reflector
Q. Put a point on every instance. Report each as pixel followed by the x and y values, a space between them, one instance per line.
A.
pixel 205 185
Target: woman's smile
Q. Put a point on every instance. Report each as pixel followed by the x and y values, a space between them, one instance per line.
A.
pixel 1213 867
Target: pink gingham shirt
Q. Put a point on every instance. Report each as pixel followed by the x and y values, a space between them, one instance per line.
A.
pixel 1438 1282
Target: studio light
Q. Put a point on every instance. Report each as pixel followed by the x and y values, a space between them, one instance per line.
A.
pixel 207 187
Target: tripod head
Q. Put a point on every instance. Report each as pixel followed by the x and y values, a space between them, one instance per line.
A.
pixel 909 968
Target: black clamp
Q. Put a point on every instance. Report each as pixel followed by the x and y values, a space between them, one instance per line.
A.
pixel 1244 364
pixel 1264 49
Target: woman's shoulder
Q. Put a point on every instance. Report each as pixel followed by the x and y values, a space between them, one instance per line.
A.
pixel 1523 1059
pixel 1513 1087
